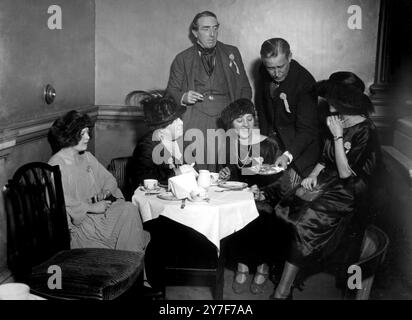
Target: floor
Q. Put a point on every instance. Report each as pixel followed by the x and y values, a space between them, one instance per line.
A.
pixel 393 280
pixel 319 287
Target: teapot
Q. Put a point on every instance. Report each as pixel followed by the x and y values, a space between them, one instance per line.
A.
pixel 204 179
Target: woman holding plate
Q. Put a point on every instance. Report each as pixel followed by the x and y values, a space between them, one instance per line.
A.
pixel 246 151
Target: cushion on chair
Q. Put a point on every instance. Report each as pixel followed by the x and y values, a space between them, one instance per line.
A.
pixel 100 274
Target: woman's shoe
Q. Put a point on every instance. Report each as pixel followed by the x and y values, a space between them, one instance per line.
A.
pixel 258 288
pixel 288 297
pixel 237 286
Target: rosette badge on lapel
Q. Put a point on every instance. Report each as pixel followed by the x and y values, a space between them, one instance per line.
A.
pixel 347 146
pixel 283 97
pixel 233 62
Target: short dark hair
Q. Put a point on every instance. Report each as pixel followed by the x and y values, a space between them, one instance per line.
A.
pixel 66 130
pixel 194 25
pixel 272 47
pixel 235 110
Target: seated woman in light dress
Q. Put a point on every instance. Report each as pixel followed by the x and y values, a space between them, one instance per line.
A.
pixel 98 215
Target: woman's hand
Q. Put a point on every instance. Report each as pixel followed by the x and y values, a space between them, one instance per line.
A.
pixel 99 207
pixel 103 195
pixel 335 126
pixel 310 182
pixel 257 194
pixel 224 174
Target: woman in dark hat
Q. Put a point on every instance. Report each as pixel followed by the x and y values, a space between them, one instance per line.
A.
pixel 98 215
pixel 159 153
pixel 247 149
pixel 331 203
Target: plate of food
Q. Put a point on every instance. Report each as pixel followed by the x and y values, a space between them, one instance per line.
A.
pixel 168 196
pixel 267 169
pixel 232 185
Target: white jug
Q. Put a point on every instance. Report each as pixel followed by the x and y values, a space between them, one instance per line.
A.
pixel 204 179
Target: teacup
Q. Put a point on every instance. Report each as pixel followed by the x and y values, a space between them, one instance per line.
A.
pixel 150 184
pixel 14 291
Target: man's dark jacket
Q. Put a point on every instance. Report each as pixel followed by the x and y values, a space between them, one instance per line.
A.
pixel 297 131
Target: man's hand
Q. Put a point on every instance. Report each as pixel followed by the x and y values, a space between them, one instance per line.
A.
pixel 282 161
pixel 191 97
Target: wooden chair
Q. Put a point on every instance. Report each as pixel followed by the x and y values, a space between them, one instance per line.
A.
pixel 118 168
pixel 38 244
pixel 374 246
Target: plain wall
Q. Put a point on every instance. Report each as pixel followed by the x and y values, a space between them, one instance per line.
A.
pixel 32 55
pixel 136 41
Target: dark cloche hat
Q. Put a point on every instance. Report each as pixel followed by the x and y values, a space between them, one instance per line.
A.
pixel 159 111
pixel 235 110
pixel 344 90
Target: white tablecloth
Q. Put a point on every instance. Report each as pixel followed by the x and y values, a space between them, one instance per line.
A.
pixel 225 213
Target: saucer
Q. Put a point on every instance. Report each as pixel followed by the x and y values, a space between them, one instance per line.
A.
pixel 34 297
pixel 168 196
pixel 233 185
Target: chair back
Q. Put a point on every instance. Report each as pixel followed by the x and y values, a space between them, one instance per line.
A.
pixel 118 168
pixel 373 251
pixel 37 225
pixel 374 247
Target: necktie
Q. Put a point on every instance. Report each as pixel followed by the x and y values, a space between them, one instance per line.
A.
pixel 207 56
pixel 274 85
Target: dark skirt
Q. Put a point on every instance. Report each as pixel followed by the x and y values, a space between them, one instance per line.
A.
pixel 321 223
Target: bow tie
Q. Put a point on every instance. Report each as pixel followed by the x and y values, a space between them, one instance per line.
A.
pixel 206 51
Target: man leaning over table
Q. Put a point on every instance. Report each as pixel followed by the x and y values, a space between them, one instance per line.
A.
pixel 288 113
pixel 289 109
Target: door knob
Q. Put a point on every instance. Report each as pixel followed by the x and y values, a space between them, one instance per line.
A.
pixel 49 94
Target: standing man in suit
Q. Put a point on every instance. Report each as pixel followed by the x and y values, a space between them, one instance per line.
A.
pixel 289 108
pixel 206 78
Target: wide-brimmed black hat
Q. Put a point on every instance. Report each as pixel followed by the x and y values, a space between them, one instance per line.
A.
pixel 344 90
pixel 235 110
pixel 159 111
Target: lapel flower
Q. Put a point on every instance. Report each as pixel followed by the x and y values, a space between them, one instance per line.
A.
pixel 89 168
pixel 283 97
pixel 347 145
pixel 233 62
